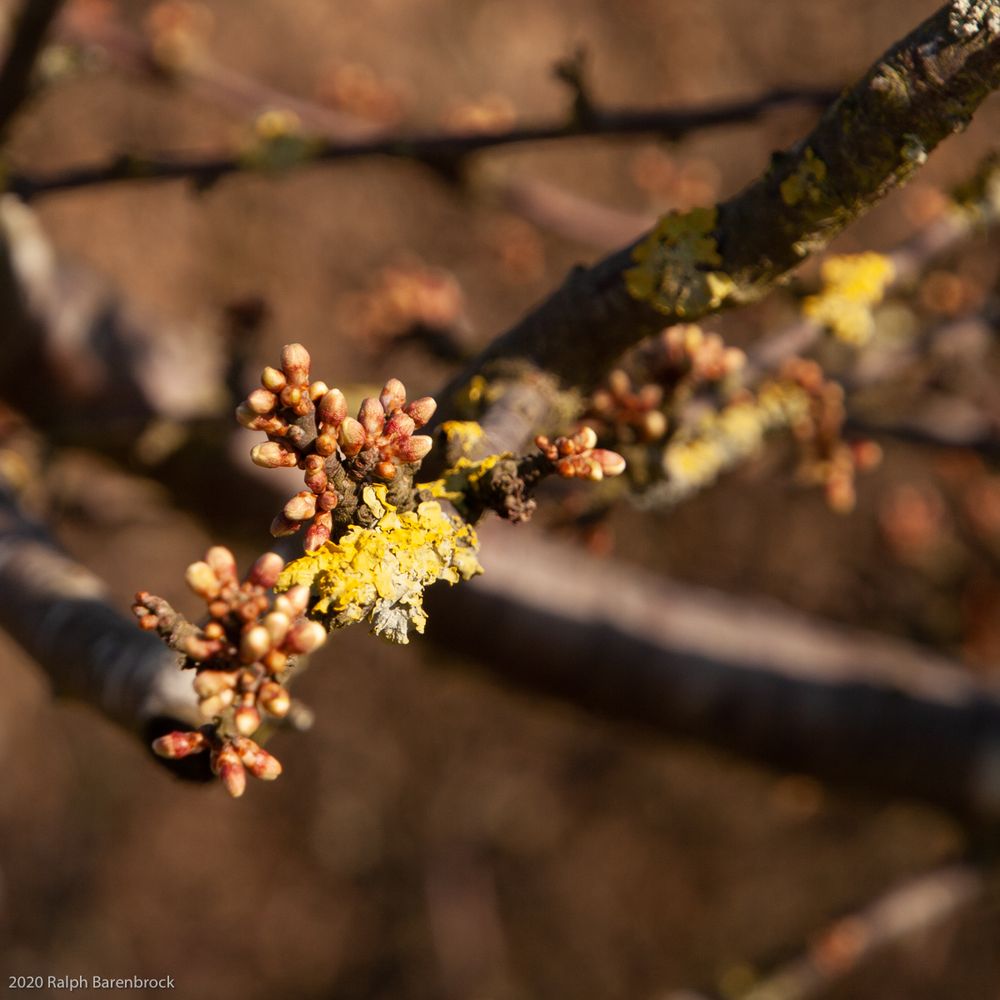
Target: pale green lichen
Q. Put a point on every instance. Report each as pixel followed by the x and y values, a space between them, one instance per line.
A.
pixel 805 182
pixel 380 573
pixel 853 284
pixel 676 265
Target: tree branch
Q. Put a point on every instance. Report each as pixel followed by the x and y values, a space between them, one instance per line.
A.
pixel 30 32
pixel 868 142
pixel 440 151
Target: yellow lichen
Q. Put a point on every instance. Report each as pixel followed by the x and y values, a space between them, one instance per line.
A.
pixel 805 183
pixel 462 436
pixel 675 265
pixel 461 479
pixel 852 285
pixel 380 573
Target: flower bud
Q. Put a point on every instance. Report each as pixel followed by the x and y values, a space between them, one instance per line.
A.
pixel 421 410
pixel 413 449
pixel 301 507
pixel 318 533
pixel 281 526
pixel 246 417
pixel 226 764
pixel 210 682
pixel 399 425
pixel 261 402
pixel 265 571
pixel 196 648
pixel 276 661
pixel 325 445
pixel 295 362
pixel 271 455
pixel 277 624
pixel 351 437
pixel 294 601
pixel 256 760
pixel 385 470
pixel 327 501
pixel 175 745
pixel 585 438
pixel 611 463
pixel 254 644
pixel 216 704
pixel 274 699
pixel 223 563
pixel 393 396
pixel 317 390
pixel 247 720
pixel 305 636
pixel 332 409
pixel 201 578
pixel 273 380
pixel 371 416
pixel 291 396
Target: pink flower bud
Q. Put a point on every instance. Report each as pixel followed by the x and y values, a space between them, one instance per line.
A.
pixel 265 571
pixel 351 437
pixel 611 463
pixel 295 362
pixel 318 533
pixel 273 380
pixel 274 699
pixel 177 744
pixel 305 636
pixel 399 425
pixel 385 470
pixel 421 410
pixel 413 449
pixel 226 764
pixel 247 720
pixel 257 761
pixel 371 416
pixel 301 507
pixel 327 501
pixel 254 644
pixel 293 602
pixel 271 455
pixel 325 445
pixel 332 409
pixel 393 396
pixel 281 527
pixel 223 563
pixel 201 578
pixel 216 704
pixel 317 390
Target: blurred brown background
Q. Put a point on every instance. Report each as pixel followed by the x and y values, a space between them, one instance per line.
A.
pixel 435 835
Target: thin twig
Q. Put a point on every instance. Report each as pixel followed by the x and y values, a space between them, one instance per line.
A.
pixel 441 151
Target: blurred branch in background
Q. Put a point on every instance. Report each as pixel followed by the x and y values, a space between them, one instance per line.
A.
pixel 918 907
pixel 29 35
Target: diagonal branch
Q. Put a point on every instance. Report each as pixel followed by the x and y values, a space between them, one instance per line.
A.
pixel 30 32
pixel 922 90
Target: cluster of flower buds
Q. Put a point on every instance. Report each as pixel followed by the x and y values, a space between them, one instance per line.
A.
pixel 240 656
pixel 630 414
pixel 307 426
pixel 685 351
pixel 382 438
pixel 578 457
pixel 825 457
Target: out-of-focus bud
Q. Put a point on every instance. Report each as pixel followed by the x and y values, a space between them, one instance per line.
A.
pixel 201 578
pixel 177 744
pixel 585 438
pixel 305 636
pixel 399 425
pixel 413 449
pixel 273 380
pixel 216 704
pixel 274 699
pixel 351 436
pixel 281 526
pixel 196 647
pixel 295 362
pixel 301 507
pixel 277 625
pixel 262 401
pixel 371 416
pixel 276 661
pixel 293 602
pixel 266 570
pixel 223 563
pixel 210 682
pixel 227 765
pixel 393 396
pixel 332 409
pixel 254 644
pixel 611 463
pixel 247 720
pixel 271 455
pixel 421 410
pixel 246 417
